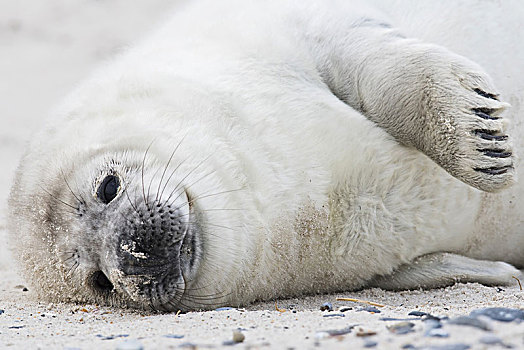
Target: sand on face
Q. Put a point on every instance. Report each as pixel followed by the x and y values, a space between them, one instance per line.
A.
pixel 47 48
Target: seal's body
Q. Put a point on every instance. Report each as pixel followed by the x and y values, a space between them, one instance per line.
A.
pixel 250 151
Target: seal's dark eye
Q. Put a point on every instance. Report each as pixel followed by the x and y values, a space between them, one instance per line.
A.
pixel 108 189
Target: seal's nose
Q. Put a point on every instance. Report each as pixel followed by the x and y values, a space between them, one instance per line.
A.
pixel 151 238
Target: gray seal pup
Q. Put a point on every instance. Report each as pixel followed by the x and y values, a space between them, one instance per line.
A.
pixel 255 150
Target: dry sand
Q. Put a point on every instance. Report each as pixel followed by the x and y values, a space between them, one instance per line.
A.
pixel 48 46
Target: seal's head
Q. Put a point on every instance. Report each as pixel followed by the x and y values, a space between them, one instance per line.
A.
pixel 120 220
pixel 121 231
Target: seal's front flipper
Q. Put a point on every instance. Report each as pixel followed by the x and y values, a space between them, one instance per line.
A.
pixel 444 269
pixel 424 95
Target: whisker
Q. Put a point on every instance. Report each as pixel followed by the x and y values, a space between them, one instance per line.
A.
pixel 204 303
pixel 185 177
pixel 214 194
pixel 151 182
pixel 143 166
pixel 129 200
pixel 214 225
pixel 71 257
pixel 208 297
pixel 58 199
pixel 171 175
pixel 72 269
pixel 166 167
pixel 187 187
pixel 69 187
pixel 84 202
pixel 205 196
pixel 223 209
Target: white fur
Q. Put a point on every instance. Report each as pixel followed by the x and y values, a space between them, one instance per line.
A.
pixel 328 199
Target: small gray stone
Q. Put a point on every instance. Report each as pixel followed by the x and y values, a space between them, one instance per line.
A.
pixel 490 339
pixel 174 336
pixel 470 321
pixel 437 333
pixel 417 313
pixel 335 332
pixel 130 344
pixel 326 307
pixel 368 343
pixel 334 315
pixel 458 346
pixel 432 323
pixel 371 309
pixel 502 314
pixel 398 319
pixel 401 327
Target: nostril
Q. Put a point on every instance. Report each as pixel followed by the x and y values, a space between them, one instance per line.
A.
pixel 101 282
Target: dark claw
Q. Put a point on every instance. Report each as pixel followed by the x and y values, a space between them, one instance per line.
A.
pixel 495 153
pixel 486 94
pixel 493 171
pixel 490 135
pixel 484 113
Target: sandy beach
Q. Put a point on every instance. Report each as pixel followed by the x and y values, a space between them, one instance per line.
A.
pixel 48 47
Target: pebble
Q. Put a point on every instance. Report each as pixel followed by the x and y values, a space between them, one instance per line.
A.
pixel 470 321
pixel 431 317
pixel 502 314
pixel 1 311
pixel 417 313
pixel 371 309
pixel 225 308
pixel 130 344
pixel 333 333
pixel 436 333
pixel 344 309
pixel 238 337
pixel 368 343
pixel 458 346
pixel 490 339
pixel 493 340
pixel 401 327
pixel 397 319
pixel 111 337
pixel 365 333
pixel 326 307
pixel 334 315
pixel 16 327
pixel 173 336
pixel 432 323
pixel 194 346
